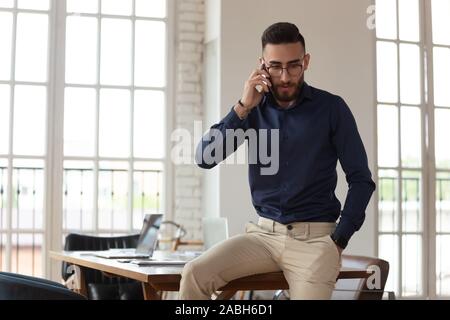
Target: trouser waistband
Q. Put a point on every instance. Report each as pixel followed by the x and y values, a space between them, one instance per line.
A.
pixel 309 229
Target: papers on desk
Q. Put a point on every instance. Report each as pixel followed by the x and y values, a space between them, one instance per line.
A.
pixel 151 262
pixel 172 258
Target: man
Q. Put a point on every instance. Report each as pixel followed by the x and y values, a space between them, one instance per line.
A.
pixel 296 232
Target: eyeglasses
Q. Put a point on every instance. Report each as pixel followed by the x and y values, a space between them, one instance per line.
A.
pixel 294 70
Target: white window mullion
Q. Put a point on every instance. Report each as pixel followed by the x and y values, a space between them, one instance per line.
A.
pixel 97 120
pixel 55 129
pixel 168 188
pixel 10 151
pixel 430 152
pixel 424 154
pixel 400 164
pixel 131 137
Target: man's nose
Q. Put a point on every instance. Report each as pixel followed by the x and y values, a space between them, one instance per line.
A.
pixel 285 77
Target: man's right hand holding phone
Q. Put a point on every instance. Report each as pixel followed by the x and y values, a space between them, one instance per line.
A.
pixel 257 84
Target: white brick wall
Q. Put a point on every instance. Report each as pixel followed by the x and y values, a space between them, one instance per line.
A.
pixel 189 35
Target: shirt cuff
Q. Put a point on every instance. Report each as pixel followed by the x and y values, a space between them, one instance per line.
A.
pixel 344 231
pixel 232 120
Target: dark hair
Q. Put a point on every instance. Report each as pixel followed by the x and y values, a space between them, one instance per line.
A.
pixel 280 33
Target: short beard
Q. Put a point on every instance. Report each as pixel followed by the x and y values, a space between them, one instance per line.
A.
pixel 290 98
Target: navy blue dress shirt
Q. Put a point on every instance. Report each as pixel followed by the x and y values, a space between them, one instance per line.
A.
pixel 314 133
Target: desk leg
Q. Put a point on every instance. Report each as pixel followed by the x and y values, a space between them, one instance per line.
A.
pixel 149 292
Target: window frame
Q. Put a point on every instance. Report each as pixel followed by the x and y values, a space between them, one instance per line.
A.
pixel 428 167
pixel 53 171
pixel 10 157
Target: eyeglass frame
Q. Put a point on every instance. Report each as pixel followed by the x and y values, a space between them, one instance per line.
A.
pixel 287 68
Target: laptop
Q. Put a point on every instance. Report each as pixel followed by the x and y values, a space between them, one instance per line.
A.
pixel 215 230
pixel 147 241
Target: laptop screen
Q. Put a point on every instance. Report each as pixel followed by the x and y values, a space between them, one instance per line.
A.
pixel 149 234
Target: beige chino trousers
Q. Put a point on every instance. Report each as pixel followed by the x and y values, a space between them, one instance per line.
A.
pixel 304 251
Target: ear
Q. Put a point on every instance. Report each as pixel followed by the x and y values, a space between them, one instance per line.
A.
pixel 261 60
pixel 306 61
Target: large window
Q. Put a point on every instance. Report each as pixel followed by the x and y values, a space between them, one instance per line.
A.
pixel 413 116
pixel 83 100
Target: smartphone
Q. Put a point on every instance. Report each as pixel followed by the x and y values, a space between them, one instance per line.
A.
pixel 259 87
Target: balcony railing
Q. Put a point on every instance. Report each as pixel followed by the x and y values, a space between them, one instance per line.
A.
pixel 23 231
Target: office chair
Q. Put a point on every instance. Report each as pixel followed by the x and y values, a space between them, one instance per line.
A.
pixel 15 286
pixel 99 285
pixel 175 239
pixel 355 289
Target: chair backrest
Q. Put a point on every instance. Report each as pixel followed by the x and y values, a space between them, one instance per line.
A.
pixel 98 285
pixel 359 289
pixel 21 287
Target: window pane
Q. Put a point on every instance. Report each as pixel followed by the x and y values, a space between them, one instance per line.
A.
pixel 79 121
pixel 114 123
pixel 147 192
pixel 387 72
pixel 154 8
pixel 441 64
pixel 2 252
pixel 388 201
pixel 410 90
pixel 6 3
pixel 387 136
pixel 6 19
pixel 31 51
pixel 412 265
pixel 120 7
pixel 28 187
pixel 386 18
pixel 411 137
pixel 82 6
pixel 409 20
pixel 4 118
pixel 30 120
pixel 81 50
pixel 3 195
pixel 113 196
pixel 442 265
pixel 147 183
pixel 443 202
pixel 442 132
pixel 150 56
pixel 78 196
pixel 33 4
pixel 441 23
pixel 388 250
pixel 26 254
pixel 411 201
pixel 149 126
pixel 116 52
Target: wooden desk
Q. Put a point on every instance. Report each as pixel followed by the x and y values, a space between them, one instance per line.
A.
pixel 167 278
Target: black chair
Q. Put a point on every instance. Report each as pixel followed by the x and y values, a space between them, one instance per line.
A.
pixel 100 286
pixel 15 286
